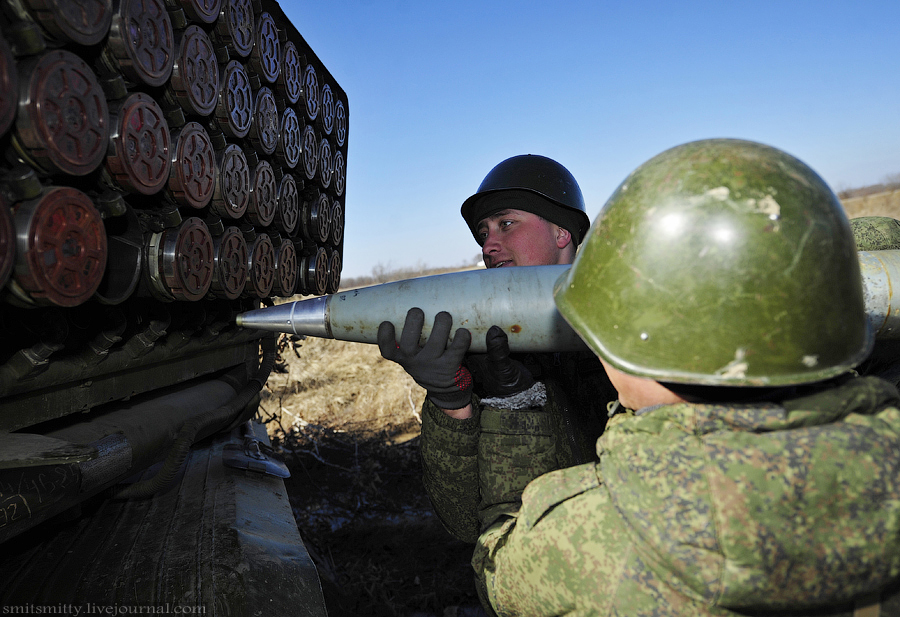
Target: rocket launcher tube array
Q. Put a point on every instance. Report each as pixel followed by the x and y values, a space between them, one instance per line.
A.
pixel 520 300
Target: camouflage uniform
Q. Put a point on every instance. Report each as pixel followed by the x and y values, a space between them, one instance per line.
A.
pixel 577 391
pixel 577 385
pixel 698 509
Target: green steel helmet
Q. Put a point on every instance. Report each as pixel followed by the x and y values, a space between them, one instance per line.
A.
pixel 876 233
pixel 720 262
pixel 534 184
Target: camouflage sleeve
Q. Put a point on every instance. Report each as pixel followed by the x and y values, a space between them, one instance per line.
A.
pixel 560 554
pixel 515 447
pixel 568 551
pixel 450 470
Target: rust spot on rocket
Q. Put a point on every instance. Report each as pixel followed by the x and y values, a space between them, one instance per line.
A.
pixel 516 329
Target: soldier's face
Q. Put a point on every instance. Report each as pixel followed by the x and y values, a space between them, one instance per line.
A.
pixel 518 238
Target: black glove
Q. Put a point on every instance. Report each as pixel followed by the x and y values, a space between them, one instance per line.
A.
pixel 497 372
pixel 435 366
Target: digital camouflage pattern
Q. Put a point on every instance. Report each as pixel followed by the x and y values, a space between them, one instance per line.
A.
pixel 709 510
pixel 450 470
pixel 876 233
pixel 578 392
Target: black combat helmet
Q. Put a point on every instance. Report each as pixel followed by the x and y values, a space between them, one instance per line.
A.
pixel 534 184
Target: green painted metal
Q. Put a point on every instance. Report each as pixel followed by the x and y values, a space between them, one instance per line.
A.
pixel 721 262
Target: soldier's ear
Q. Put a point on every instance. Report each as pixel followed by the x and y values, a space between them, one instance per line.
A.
pixel 563 237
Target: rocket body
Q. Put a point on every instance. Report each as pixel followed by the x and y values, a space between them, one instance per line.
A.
pixel 880 274
pixel 519 300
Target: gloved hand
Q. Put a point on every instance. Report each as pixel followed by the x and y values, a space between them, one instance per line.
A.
pixel 435 366
pixel 500 374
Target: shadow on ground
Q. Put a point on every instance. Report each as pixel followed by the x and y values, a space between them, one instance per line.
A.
pixel 367 522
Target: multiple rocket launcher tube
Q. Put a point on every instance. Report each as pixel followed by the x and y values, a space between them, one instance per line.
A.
pixel 520 300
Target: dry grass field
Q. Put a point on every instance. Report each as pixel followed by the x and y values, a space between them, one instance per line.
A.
pixel 344 386
pixel 884 202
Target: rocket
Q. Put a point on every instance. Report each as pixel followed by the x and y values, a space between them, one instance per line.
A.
pixel 519 300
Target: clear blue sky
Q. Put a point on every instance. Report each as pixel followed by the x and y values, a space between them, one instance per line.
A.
pixel 439 92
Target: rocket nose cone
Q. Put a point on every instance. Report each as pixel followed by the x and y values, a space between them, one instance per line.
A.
pixel 301 317
pixel 273 318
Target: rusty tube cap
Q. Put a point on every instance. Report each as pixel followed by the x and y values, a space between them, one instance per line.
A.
pixel 263 195
pixel 61 248
pixel 139 155
pixel 192 175
pixel 314 273
pixel 62 126
pixel 231 194
pixel 84 23
pixel 195 73
pixel 235 27
pixel 287 269
pixel 287 211
pixel 261 266
pixel 315 218
pixel 181 260
pixel 231 264
pixel 148 58
pixel 337 223
pixel 335 263
pixel 234 107
pixel 265 56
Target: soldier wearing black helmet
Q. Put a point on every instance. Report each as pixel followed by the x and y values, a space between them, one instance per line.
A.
pixel 528 211
pixel 528 191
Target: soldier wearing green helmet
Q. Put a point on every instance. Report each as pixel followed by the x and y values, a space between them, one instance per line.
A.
pixel 750 470
pixel 753 249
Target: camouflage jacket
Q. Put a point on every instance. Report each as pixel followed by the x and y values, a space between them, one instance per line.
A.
pixel 705 510
pixel 577 391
